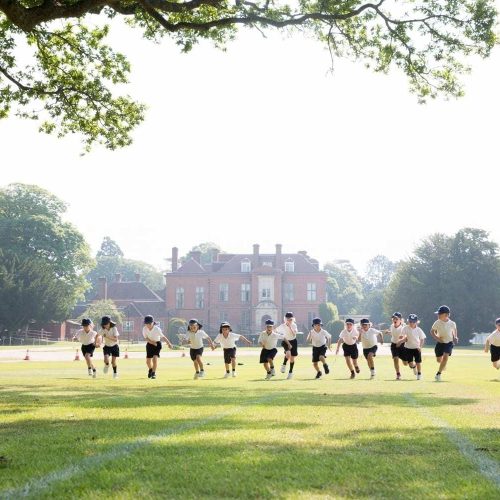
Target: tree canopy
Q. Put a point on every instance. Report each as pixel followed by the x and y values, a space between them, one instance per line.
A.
pixel 56 66
pixel 109 248
pixel 462 271
pixel 343 286
pixel 43 259
pixel 207 250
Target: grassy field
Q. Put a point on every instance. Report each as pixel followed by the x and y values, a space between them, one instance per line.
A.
pixel 65 435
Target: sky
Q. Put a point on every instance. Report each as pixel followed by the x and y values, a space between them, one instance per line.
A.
pixel 263 144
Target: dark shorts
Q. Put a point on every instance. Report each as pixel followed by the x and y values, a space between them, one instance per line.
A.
pixel 372 350
pixel 112 351
pixel 350 351
pixel 442 348
pixel 294 351
pixel 396 351
pixel 495 353
pixel 88 349
pixel 317 352
pixel 195 352
pixel 267 354
pixel 153 350
pixel 229 354
pixel 411 355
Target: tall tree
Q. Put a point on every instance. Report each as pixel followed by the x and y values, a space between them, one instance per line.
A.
pixel 67 78
pixel 207 250
pixel 378 274
pixel 43 259
pixel 462 271
pixel 108 267
pixel 343 286
pixel 109 248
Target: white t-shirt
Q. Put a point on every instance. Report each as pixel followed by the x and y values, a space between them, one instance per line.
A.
pixel 228 342
pixel 369 338
pixel 290 332
pixel 319 339
pixel 86 338
pixel 396 332
pixel 196 339
pixel 106 334
pixel 154 334
pixel 349 338
pixel 270 341
pixel 445 330
pixel 414 336
pixel 494 338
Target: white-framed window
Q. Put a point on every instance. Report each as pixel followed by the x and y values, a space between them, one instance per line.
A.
pixel 311 292
pixel 245 292
pixel 223 316
pixel 265 293
pixel 223 292
pixel 310 317
pixel 128 326
pixel 245 318
pixel 289 266
pixel 199 298
pixel 289 292
pixel 179 298
pixel 246 266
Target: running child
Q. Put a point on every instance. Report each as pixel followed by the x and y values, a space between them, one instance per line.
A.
pixel 320 340
pixel 369 337
pixel 90 340
pixel 268 340
pixel 348 338
pixel 395 332
pixel 493 345
pixel 227 339
pixel 444 331
pixel 196 336
pixel 411 342
pixel 153 335
pixel 111 348
pixel 289 329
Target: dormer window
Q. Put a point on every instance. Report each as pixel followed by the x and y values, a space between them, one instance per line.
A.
pixel 289 266
pixel 246 267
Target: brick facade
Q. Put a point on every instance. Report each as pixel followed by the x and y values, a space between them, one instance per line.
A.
pixel 219 291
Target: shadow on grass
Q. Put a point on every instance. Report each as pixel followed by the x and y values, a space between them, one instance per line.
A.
pixel 223 462
pixel 27 398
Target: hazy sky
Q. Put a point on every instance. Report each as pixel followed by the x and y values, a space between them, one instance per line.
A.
pixel 262 144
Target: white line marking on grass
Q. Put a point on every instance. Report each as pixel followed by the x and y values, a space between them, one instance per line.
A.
pixel 487 466
pixel 35 487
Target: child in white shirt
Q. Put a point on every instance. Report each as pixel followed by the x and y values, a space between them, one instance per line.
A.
pixel 227 339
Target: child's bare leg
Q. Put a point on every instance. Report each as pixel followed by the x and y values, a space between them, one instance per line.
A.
pixel 370 361
pixel 266 367
pixel 196 367
pixel 233 364
pixel 200 362
pixel 396 364
pixel 149 363
pixel 444 361
pixel 227 366
pixel 348 362
pixel 88 361
pixel 113 361
pixel 155 363
pixel 315 364
pixel 106 359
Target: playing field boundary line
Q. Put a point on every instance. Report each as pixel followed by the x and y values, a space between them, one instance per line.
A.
pixel 488 467
pixel 36 486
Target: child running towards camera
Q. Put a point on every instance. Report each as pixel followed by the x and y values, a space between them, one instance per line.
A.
pixel 369 337
pixel 227 339
pixel 411 343
pixel 321 340
pixel 444 331
pixel 268 340
pixel 90 340
pixel 111 348
pixel 289 329
pixel 493 345
pixel 348 339
pixel 153 336
pixel 395 332
pixel 196 336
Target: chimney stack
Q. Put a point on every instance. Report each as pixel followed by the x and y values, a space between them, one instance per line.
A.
pixel 103 288
pixel 118 277
pixel 175 257
pixel 255 255
pixel 278 255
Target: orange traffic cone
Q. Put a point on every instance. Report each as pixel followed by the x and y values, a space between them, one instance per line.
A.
pixel 77 356
pixel 126 353
pixel 27 357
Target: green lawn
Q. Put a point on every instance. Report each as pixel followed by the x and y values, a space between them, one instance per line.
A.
pixel 65 435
